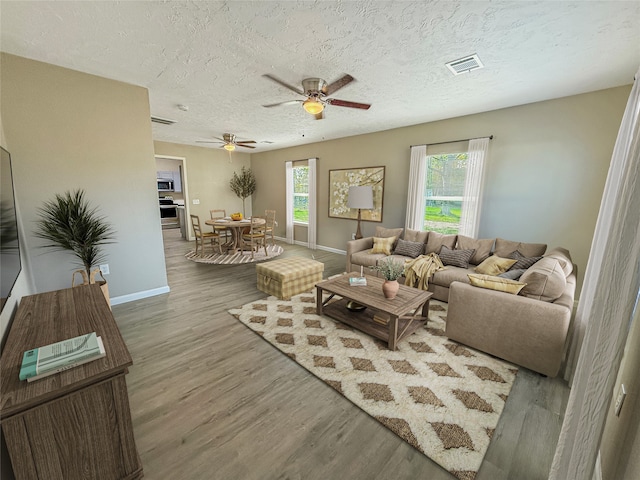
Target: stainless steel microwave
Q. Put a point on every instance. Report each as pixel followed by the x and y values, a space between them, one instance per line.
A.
pixel 165 185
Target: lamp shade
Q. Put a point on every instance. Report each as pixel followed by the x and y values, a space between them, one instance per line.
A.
pixel 360 197
pixel 312 106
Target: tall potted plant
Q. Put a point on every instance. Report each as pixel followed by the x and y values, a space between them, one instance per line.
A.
pixel 243 185
pixel 69 223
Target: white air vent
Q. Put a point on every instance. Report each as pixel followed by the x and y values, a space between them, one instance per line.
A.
pixel 465 65
pixel 163 121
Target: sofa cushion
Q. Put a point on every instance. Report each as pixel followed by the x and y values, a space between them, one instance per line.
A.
pixel 408 249
pixel 545 280
pixel 505 247
pixel 494 265
pixel 522 262
pixel 513 273
pixel 383 245
pixel 366 258
pixel 382 232
pixel 415 235
pixel 563 256
pixel 436 240
pixel 482 247
pixel 496 283
pixel 456 258
pixel 448 275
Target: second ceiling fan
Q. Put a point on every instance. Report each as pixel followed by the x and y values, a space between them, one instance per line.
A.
pixel 229 142
pixel 317 92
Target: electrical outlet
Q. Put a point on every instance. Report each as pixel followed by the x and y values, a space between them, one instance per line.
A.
pixel 196 201
pixel 353 236
pixel 622 393
pixel 104 269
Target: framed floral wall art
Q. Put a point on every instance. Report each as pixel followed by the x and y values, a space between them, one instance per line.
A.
pixel 341 180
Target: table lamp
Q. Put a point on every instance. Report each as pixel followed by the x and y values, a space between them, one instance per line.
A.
pixel 360 197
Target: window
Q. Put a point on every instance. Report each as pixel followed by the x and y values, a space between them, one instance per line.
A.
pixel 444 192
pixel 301 194
pixel 445 186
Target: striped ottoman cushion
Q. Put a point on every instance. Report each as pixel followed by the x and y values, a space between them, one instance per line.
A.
pixel 288 276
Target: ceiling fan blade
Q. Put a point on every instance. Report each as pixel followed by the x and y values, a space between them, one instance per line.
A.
pixel 245 146
pixel 207 141
pixel 338 84
pixel 290 102
pixel 285 85
pixel 319 116
pixel 345 103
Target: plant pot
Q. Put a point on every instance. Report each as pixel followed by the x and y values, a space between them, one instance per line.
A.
pixel 390 289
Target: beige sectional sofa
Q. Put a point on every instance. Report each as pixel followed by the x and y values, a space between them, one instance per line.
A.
pixel 528 328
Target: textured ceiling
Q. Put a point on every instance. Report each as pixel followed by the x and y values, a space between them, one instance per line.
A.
pixel 211 57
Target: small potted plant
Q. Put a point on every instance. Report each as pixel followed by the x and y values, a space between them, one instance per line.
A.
pixel 390 271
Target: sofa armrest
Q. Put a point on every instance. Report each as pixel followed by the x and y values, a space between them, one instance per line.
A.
pixel 354 246
pixel 521 330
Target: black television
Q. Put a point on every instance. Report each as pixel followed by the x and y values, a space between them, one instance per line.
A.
pixel 10 265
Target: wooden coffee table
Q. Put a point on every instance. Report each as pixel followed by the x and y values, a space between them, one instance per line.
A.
pixel 407 311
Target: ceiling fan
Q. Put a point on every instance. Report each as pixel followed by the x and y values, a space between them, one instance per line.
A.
pixel 317 92
pixel 229 142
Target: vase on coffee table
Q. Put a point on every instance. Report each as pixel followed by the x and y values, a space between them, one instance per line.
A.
pixel 390 289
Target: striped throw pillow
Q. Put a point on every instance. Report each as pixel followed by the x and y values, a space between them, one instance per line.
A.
pixel 522 262
pixel 408 249
pixel 455 258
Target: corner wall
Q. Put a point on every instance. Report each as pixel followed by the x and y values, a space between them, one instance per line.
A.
pixel 546 170
pixel 67 130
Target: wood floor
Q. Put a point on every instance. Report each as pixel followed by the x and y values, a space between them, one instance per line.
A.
pixel 211 400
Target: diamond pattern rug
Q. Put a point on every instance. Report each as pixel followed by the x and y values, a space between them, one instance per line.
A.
pixel 441 397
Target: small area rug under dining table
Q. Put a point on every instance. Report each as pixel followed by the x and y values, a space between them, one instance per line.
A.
pixel 441 397
pixel 238 258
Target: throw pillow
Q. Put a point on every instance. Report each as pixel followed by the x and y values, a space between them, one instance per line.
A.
pixel 436 240
pixel 415 235
pixel 482 248
pixel 496 283
pixel 513 274
pixel 455 258
pixel 408 249
pixel 505 247
pixel 494 265
pixel 522 262
pixel 383 245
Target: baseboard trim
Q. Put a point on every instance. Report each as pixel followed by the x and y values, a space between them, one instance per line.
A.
pixel 139 295
pixel 318 247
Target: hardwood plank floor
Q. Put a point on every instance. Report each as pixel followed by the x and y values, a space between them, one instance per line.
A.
pixel 211 400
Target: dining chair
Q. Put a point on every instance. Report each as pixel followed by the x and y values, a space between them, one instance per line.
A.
pixel 213 239
pixel 218 214
pixel 256 237
pixel 270 217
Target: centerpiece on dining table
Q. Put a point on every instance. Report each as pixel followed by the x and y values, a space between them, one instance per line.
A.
pixel 236 216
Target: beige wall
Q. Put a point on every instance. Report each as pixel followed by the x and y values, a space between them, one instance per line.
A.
pixel 208 172
pixel 620 445
pixel 68 130
pixel 546 170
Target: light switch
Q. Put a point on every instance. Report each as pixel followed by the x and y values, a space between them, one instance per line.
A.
pixel 196 201
pixel 622 393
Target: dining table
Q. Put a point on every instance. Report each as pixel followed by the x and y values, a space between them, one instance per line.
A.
pixel 236 227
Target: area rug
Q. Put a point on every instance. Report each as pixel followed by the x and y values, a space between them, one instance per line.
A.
pixel 239 258
pixel 441 397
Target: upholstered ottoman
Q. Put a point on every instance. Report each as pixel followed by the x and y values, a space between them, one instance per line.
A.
pixel 287 277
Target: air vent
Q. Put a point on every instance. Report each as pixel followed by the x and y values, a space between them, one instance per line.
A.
pixel 465 65
pixel 163 121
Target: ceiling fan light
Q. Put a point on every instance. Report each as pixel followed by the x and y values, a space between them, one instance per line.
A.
pixel 313 106
pixel 230 147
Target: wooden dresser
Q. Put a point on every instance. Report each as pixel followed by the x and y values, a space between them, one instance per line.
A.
pixel 74 424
